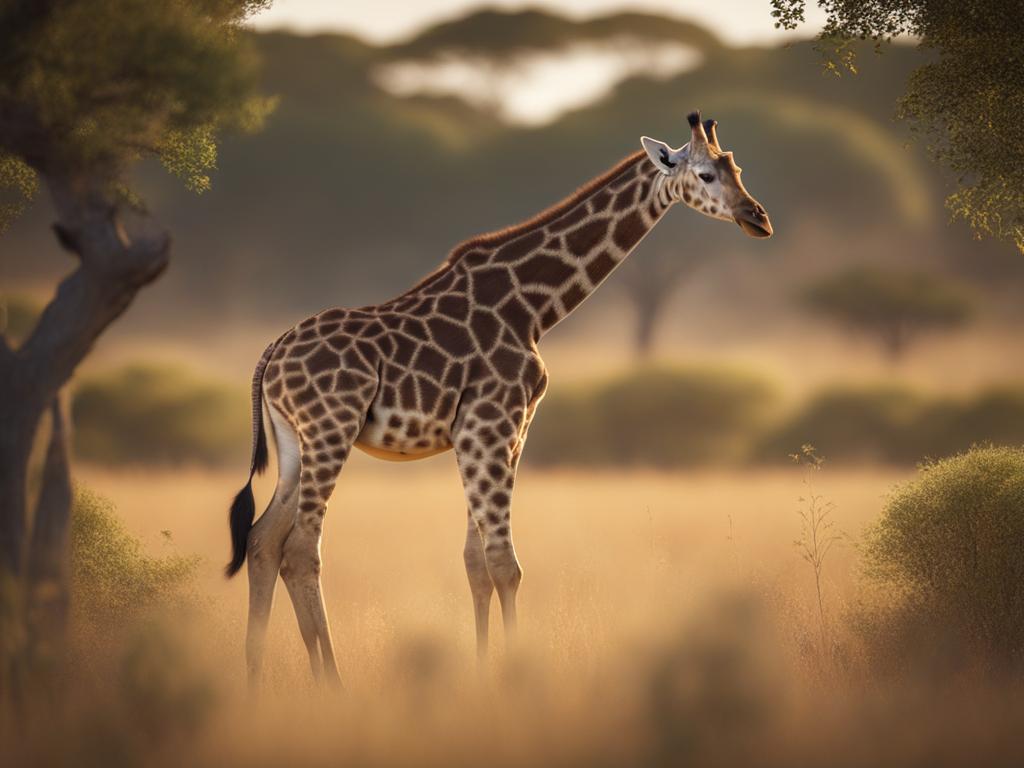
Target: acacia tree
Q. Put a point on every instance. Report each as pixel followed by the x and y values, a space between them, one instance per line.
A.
pixel 893 307
pixel 966 102
pixel 648 284
pixel 87 88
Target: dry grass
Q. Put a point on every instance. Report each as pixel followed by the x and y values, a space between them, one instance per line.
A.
pixel 608 556
pixel 667 619
pixel 664 617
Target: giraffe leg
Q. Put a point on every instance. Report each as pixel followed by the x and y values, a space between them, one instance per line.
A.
pixel 487 444
pixel 480 583
pixel 266 541
pixel 300 567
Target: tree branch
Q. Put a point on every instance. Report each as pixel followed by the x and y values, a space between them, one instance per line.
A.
pixel 112 269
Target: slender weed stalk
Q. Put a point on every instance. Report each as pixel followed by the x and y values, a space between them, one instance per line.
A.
pixel 818 532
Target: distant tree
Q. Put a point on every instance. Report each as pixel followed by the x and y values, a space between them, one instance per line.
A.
pixel 894 307
pixel 87 88
pixel 966 101
pixel 648 284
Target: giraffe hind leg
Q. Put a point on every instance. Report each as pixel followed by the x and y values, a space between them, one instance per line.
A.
pixel 301 563
pixel 266 542
pixel 480 583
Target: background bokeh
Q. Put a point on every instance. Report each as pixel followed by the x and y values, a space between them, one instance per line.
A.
pixel 668 616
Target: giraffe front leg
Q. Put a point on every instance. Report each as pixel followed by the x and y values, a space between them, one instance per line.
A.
pixel 480 583
pixel 486 445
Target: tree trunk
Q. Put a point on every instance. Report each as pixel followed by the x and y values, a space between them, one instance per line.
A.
pixel 49 569
pixel 16 432
pixel 112 269
pixel 648 313
pixel 895 340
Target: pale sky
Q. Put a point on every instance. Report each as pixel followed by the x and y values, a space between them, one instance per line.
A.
pixel 739 22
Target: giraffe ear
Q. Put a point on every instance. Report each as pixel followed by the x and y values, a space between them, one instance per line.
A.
pixel 668 160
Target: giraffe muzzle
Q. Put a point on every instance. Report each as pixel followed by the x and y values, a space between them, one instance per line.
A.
pixel 753 220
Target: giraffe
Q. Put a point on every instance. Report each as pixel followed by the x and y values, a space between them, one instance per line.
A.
pixel 452 363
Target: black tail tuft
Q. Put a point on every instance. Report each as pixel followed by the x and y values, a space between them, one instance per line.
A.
pixel 243 511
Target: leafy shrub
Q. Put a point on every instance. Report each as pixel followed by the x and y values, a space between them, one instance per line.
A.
pixel 145 414
pixel 112 580
pixel 948 553
pixel 654 416
pixel 138 686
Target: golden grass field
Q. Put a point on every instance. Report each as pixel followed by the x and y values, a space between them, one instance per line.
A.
pixel 633 581
pixel 608 556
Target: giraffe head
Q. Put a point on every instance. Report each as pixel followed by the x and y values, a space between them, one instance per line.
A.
pixel 704 177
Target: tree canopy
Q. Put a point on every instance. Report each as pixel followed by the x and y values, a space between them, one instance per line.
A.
pixel 92 85
pixel 965 102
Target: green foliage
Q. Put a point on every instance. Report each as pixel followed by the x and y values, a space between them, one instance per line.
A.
pixel 97 84
pixel 893 306
pixel 654 417
pixel 132 673
pixel 18 185
pixel 113 581
pixel 158 414
pixel 966 101
pixel 948 549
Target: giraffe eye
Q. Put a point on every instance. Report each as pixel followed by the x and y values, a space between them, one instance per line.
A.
pixel 707 178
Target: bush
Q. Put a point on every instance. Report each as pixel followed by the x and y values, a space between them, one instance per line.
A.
pixel 135 688
pixel 948 552
pixel 879 423
pixel 654 416
pixel 157 415
pixel 112 580
pixel 897 425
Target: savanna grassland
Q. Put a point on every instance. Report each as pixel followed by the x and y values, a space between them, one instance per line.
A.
pixel 692 597
pixel 666 619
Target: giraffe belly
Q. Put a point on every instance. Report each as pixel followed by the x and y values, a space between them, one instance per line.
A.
pixel 396 435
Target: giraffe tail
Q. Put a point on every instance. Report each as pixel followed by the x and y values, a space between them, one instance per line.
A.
pixel 243 509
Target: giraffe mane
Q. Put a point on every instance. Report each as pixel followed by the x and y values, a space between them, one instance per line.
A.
pixel 502 236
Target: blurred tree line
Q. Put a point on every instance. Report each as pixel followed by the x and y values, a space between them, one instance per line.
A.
pixel 351 193
pixel 648 416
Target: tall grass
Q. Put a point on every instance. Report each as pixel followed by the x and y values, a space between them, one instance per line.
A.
pixel 633 653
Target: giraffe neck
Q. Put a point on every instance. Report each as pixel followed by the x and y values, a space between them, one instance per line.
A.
pixel 535 274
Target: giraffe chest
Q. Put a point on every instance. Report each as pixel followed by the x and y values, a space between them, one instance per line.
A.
pixel 398 434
